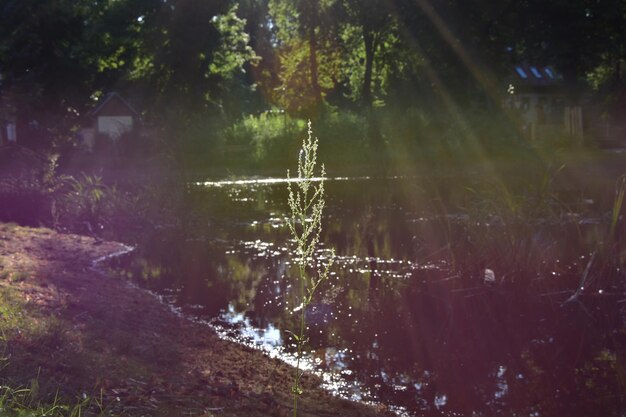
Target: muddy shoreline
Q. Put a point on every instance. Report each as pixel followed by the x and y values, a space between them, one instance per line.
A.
pixel 86 332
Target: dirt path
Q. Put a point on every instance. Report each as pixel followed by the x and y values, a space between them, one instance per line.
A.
pixel 79 330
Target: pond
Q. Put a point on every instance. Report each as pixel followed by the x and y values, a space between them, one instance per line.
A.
pixel 449 296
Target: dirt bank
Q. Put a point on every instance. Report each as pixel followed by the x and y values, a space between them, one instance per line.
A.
pixel 73 329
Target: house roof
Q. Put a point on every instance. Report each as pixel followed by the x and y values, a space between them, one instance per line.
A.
pixel 536 75
pixel 106 102
pixel 536 79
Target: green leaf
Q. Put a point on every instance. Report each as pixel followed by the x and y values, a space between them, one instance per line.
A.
pixel 295 336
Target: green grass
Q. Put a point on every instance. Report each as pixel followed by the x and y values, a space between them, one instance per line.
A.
pixel 23 393
pixel 17 276
pixel 24 402
pixel 9 226
pixel 13 317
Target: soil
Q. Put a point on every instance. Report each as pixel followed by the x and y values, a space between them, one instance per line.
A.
pixel 100 335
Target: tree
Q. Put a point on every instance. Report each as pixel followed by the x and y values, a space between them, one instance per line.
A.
pixel 308 53
pixel 44 68
pixel 375 23
pixel 179 56
pixel 261 76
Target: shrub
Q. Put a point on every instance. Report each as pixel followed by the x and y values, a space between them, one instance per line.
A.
pixel 269 136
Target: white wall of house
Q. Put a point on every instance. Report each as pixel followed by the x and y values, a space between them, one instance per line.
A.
pixel 114 126
pixel 88 137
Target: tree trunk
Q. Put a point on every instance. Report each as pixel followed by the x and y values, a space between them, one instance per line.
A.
pixel 373 129
pixel 317 92
pixel 368 40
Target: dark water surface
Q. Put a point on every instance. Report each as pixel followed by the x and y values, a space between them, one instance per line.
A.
pixel 446 298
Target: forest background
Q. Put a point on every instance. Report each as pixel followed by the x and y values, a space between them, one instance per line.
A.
pixel 232 82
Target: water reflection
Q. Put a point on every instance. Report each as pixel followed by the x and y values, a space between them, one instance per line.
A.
pixel 407 317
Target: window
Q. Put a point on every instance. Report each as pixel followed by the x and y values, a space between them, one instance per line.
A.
pixel 535 72
pixel 549 72
pixel 521 72
pixel 11 132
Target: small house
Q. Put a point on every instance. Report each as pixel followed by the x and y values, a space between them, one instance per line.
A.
pixel 14 130
pixel 112 118
pixel 541 99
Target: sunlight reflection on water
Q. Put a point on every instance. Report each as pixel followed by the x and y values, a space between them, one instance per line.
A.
pixel 269 181
pixel 408 313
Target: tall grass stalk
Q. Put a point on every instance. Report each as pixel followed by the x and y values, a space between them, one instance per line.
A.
pixel 306 203
pixel 609 251
pixel 618 202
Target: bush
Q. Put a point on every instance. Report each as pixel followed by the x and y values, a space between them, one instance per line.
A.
pixel 342 138
pixel 23 196
pixel 268 136
pixel 382 137
pixel 24 202
pixel 199 142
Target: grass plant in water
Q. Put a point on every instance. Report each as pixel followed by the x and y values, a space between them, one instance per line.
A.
pixel 306 202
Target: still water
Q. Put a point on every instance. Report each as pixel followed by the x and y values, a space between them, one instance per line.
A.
pixel 446 299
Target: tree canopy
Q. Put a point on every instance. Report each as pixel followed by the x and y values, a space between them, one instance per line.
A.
pixel 183 58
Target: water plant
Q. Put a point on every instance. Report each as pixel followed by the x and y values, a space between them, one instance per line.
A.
pixel 306 202
pixel 509 226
